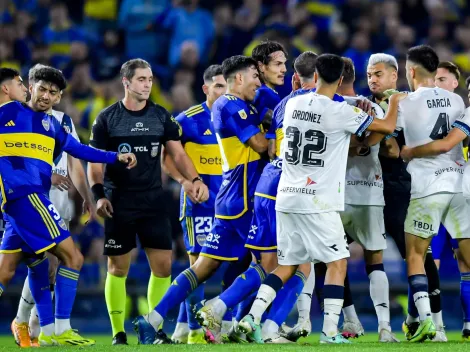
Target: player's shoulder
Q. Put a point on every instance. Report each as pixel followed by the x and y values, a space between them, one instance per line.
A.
pixel 109 111
pixel 195 111
pixel 229 104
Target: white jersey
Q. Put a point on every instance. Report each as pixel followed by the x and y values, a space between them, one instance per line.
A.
pixel 60 199
pixel 427 115
pixel 364 183
pixel 463 123
pixel 317 132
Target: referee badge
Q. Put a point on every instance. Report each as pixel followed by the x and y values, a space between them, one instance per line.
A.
pixel 154 151
pixel 242 114
pixel 46 124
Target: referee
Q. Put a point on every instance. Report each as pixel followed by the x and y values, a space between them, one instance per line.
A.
pixel 131 201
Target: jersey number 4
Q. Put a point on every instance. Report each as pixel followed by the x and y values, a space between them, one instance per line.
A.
pixel 441 128
pixel 316 144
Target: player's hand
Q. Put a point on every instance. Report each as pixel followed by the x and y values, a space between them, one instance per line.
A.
pixel 398 97
pixel 104 208
pixel 129 159
pixel 365 105
pixel 201 191
pixel 90 208
pixel 188 188
pixel 406 153
pixel 60 182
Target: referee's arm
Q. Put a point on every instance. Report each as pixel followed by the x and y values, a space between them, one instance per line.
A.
pixel 95 171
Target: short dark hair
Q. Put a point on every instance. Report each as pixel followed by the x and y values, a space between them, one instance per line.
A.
pixel 467 82
pixel 128 68
pixel 304 65
pixel 7 74
pixel 451 67
pixel 237 63
pixel 349 74
pixel 329 67
pixel 50 75
pixel 211 72
pixel 262 51
pixel 424 56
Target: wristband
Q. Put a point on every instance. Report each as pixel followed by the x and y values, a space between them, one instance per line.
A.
pixel 197 179
pixel 98 191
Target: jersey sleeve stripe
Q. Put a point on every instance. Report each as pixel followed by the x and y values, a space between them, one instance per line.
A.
pixel 462 126
pixel 364 125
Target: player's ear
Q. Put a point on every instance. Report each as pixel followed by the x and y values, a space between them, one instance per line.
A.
pixel 30 89
pixel 455 84
pixel 395 75
pixel 315 78
pixel 340 81
pixel 205 89
pixel 260 67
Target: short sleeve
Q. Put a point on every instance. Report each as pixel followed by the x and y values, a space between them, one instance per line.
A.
pixel 173 130
pixel 463 122
pixel 400 118
pixel 99 133
pixel 243 124
pixel 354 120
pixel 184 123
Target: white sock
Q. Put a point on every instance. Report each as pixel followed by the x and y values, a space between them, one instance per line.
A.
pixel 264 298
pixel 154 319
pixel 410 319
pixel 61 326
pixel 34 328
pixel 331 315
pixel 269 329
pixel 350 313
pixel 219 307
pixel 422 304
pixel 48 330
pixel 379 293
pixel 181 329
pixel 466 325
pixel 304 302
pixel 26 304
pixel 437 319
pixel 226 325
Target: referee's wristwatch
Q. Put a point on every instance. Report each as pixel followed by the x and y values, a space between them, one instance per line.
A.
pixel 198 178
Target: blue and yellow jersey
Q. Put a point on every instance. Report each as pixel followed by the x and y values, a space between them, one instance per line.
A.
pixel 235 122
pixel 30 141
pixel 267 187
pixel 265 99
pixel 200 143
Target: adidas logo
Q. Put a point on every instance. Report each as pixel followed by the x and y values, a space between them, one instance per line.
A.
pixel 10 123
pixel 208 133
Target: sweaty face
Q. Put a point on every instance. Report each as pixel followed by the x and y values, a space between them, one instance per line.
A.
pixel 140 84
pixel 381 77
pixel 275 71
pixel 446 80
pixel 250 83
pixel 217 88
pixel 16 89
pixel 44 95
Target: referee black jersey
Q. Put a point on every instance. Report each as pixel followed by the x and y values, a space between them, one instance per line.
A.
pixel 140 132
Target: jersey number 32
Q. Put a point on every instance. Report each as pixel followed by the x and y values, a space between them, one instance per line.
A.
pixel 307 150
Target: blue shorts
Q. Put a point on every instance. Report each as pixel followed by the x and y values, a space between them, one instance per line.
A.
pixel 195 230
pixel 262 233
pixel 33 225
pixel 442 242
pixel 226 240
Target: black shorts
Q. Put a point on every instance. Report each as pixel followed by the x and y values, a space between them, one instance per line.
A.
pixel 141 215
pixel 396 207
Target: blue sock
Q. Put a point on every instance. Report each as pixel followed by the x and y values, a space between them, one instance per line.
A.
pixel 65 291
pixel 180 288
pixel 2 288
pixel 38 277
pixel 243 285
pixel 286 298
pixel 465 295
pixel 412 310
pixel 245 305
pixel 192 303
pixel 419 288
pixel 182 315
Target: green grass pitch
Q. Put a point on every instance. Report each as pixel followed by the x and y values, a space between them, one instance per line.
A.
pixel 363 344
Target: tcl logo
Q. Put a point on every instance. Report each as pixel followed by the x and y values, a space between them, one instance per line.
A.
pixel 141 149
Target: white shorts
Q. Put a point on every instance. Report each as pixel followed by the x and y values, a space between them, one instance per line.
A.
pixel 365 225
pixel 303 238
pixel 426 214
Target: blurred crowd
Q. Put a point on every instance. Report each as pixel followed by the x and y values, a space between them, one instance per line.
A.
pixel 90 39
